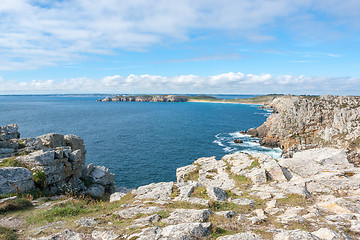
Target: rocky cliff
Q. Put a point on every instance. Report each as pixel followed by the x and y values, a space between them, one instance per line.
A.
pixel 305 122
pixel 51 162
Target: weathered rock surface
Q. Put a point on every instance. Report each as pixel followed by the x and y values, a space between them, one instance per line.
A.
pixel 13 179
pixel 56 161
pixel 303 122
pixel 188 215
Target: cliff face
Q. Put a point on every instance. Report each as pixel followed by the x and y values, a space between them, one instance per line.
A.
pixel 51 162
pixel 301 122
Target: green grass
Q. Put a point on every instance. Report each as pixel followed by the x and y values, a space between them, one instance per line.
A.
pixel 14 205
pixel 293 200
pixel 254 164
pixel 200 192
pixel 11 162
pixel 218 232
pixel 193 175
pixel 39 179
pixel 7 234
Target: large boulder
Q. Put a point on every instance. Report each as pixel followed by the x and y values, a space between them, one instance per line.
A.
pixel 9 132
pixel 13 179
pixel 53 140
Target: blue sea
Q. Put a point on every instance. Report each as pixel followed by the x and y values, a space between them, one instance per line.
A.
pixel 141 142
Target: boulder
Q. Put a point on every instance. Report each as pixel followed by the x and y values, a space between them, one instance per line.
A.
pixel 188 216
pixel 216 193
pixel 159 191
pixel 175 232
pixel 241 236
pixel 116 196
pixel 295 235
pixel 134 211
pixel 52 140
pixel 104 235
pixel 238 141
pixel 9 132
pixel 257 176
pixel 15 178
pixel 327 234
pixel 96 190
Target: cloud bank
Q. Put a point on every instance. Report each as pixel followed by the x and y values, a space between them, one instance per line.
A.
pixel 37 33
pixel 231 82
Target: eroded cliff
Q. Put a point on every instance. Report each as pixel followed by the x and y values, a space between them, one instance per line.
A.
pixel 305 122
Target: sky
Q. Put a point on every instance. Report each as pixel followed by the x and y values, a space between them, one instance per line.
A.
pixel 182 46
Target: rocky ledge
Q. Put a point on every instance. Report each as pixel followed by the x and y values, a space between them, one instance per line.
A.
pixel 305 122
pixel 313 195
pixel 52 162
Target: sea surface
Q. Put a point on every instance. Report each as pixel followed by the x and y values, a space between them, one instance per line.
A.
pixel 141 142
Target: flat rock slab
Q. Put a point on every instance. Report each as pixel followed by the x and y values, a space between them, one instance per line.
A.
pixel 241 236
pixel 175 232
pixel 12 178
pixel 159 191
pixel 134 211
pixel 187 215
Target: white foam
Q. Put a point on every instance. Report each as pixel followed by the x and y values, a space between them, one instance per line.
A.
pixel 226 142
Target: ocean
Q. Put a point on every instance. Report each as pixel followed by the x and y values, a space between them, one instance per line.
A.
pixel 141 142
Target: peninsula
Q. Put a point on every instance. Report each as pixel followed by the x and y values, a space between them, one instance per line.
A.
pixel 181 98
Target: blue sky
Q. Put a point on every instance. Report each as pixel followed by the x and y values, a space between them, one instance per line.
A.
pixel 184 46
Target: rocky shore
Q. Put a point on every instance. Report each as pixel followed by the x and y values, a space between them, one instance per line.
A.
pixel 306 122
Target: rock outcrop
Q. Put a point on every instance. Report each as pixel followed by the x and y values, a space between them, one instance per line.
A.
pixel 304 122
pixel 51 162
pixel 313 195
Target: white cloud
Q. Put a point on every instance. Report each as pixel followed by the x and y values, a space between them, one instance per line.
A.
pixel 36 33
pixel 222 83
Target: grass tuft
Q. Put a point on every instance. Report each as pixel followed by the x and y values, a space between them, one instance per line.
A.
pixel 7 234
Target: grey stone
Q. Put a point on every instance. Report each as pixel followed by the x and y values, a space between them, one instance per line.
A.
pixel 160 191
pixel 243 201
pixel 216 193
pixel 134 211
pixel 96 190
pixel 241 236
pixel 86 222
pixel 67 234
pixel 188 215
pixel 53 140
pixel 327 234
pixel 183 231
pixel 116 196
pixel 295 235
pixel 257 176
pixel 12 178
pixel 104 235
pixel 227 214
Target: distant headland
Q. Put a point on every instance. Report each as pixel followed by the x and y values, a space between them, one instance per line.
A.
pixel 181 98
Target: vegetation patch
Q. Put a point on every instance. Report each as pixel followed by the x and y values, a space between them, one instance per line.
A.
pixel 14 205
pixel 175 191
pixel 200 192
pixel 7 234
pixel 11 162
pixel 193 175
pixel 39 179
pixel 293 200
pixel 255 163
